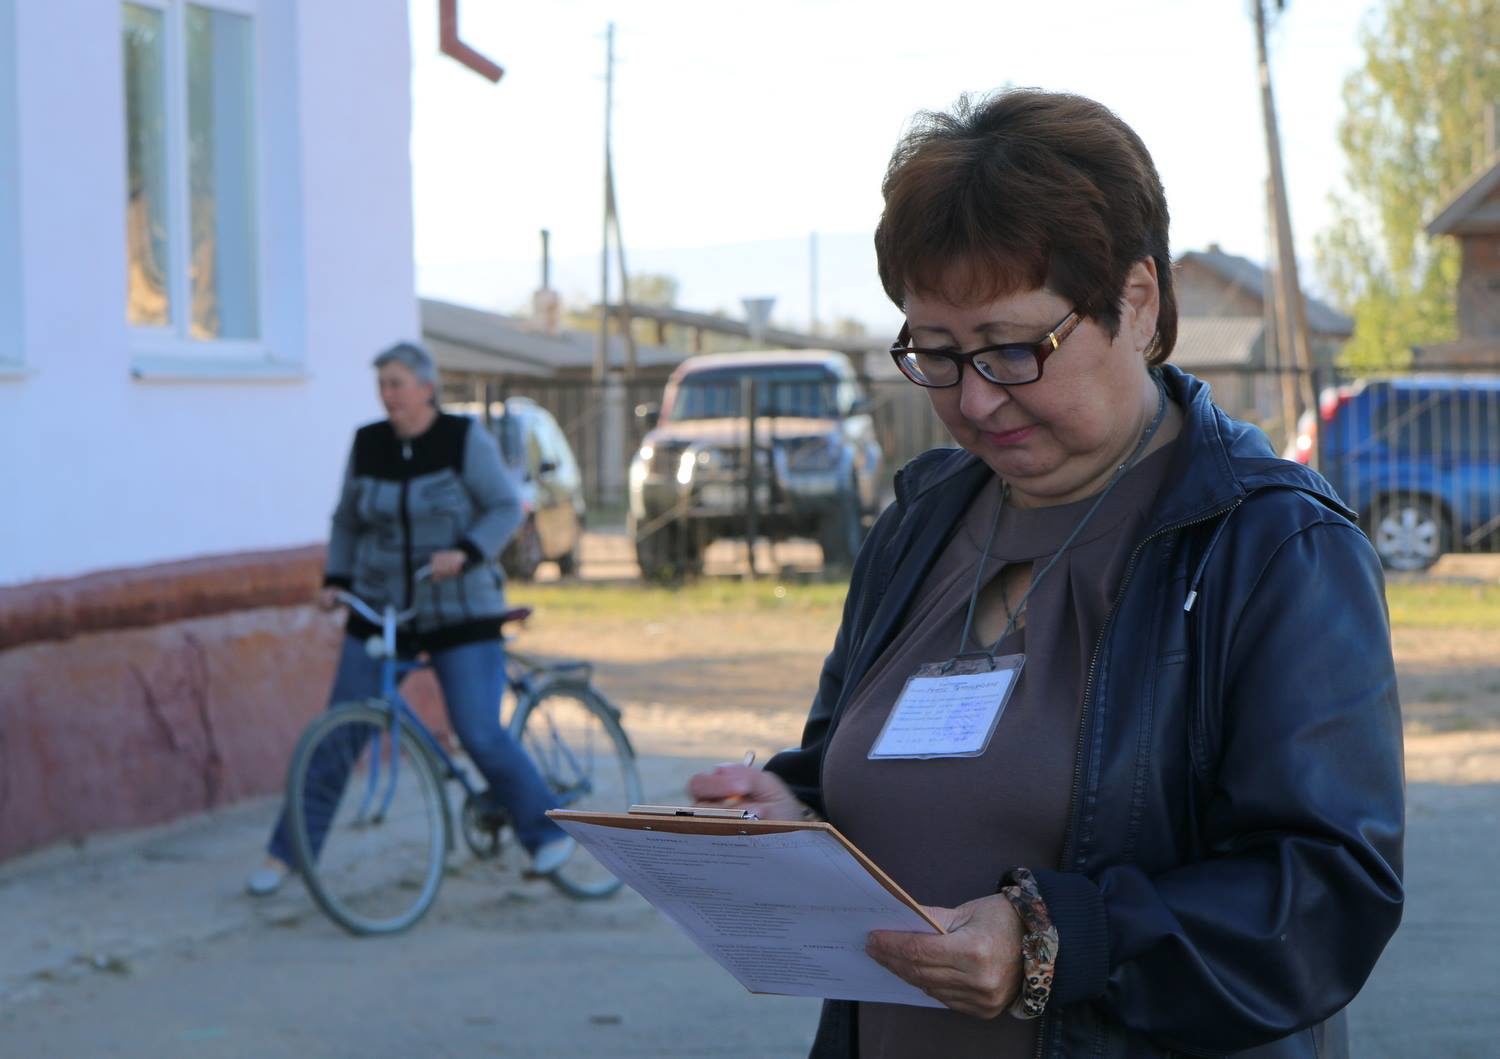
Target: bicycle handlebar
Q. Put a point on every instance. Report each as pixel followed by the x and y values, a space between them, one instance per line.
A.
pixel 364 610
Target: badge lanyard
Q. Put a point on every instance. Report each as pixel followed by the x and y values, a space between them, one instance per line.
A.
pixel 951 709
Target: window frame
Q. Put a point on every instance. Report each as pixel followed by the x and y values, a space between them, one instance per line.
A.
pixel 12 335
pixel 166 351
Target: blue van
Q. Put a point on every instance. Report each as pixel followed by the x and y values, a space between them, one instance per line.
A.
pixel 1418 457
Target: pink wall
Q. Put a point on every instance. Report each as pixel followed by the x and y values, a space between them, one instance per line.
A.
pixel 129 726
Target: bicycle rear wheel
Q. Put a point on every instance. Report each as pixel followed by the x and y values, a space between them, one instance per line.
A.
pixel 574 736
pixel 369 819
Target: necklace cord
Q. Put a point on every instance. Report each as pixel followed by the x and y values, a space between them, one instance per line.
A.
pixel 1120 472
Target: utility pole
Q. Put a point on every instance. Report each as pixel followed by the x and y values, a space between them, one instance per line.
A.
pixel 812 283
pixel 1295 356
pixel 1276 329
pixel 601 346
pixel 625 329
pixel 612 220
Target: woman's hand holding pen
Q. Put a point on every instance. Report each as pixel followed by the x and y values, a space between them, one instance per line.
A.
pixel 743 787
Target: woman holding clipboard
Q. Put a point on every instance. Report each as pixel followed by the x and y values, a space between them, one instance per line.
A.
pixel 1113 693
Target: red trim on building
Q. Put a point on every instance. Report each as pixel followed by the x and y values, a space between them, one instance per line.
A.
pixel 450 44
pixel 155 595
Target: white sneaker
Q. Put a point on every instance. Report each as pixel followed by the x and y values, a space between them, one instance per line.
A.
pixel 552 855
pixel 266 880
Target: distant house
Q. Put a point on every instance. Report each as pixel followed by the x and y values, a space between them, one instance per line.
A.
pixel 1221 329
pixel 1473 217
pixel 205 235
pixel 1211 283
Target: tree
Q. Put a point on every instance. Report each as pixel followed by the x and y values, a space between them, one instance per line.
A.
pixel 656 289
pixel 847 327
pixel 653 288
pixel 1412 135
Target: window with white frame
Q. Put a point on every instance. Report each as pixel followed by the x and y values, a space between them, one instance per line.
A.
pixel 10 177
pixel 193 247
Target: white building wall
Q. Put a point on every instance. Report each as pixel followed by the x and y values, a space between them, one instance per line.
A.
pixel 101 469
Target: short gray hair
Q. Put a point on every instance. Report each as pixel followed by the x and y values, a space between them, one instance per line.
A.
pixel 412 357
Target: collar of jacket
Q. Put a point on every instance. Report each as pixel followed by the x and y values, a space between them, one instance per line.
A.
pixel 1218 462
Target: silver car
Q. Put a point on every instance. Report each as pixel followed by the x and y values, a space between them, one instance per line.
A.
pixel 817 470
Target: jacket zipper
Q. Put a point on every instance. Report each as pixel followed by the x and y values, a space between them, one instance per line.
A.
pixel 406 524
pixel 1088 686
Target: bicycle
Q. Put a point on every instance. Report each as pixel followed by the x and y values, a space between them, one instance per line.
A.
pixel 377 870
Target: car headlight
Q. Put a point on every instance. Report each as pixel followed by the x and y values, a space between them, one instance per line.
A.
pixel 686 466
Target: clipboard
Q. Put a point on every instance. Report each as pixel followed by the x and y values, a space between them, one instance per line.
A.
pixel 787 916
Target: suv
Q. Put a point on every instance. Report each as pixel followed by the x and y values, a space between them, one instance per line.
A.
pixel 1417 457
pixel 537 453
pixel 817 464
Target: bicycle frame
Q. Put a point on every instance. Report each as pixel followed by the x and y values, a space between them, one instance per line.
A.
pixel 520 677
pixel 393 669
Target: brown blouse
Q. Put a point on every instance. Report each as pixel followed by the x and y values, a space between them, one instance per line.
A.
pixel 948 829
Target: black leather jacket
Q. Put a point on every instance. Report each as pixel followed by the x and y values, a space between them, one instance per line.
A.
pixel 1232 862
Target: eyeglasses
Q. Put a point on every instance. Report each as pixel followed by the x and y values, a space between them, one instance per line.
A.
pixel 1007 364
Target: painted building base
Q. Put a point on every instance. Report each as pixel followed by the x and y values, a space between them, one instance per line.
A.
pixel 142 722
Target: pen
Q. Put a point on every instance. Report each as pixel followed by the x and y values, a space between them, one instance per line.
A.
pixel 735 799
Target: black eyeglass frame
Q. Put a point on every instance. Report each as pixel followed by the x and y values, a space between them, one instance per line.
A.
pixel 1039 352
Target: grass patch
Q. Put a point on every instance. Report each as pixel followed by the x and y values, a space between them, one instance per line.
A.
pixel 1443 605
pixel 1414 604
pixel 705 598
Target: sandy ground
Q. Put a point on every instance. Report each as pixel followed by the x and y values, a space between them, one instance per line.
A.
pixel 691 682
pixel 141 945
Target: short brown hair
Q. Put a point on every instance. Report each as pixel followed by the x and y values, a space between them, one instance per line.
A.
pixel 1024 189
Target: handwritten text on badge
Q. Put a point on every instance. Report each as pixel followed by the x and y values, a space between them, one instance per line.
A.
pixel 945 716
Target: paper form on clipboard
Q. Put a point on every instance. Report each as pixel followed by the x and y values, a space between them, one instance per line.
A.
pixel 784 907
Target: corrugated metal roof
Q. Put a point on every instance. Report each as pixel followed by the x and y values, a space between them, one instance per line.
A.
pixel 465 339
pixel 1216 341
pixel 1322 318
pixel 773 336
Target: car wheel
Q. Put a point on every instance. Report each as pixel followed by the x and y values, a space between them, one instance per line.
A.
pixel 668 552
pixel 1409 532
pixel 524 553
pixel 841 532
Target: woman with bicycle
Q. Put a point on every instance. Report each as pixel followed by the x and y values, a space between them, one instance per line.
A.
pixel 426 489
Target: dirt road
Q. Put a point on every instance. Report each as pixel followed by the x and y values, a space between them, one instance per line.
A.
pixel 140 945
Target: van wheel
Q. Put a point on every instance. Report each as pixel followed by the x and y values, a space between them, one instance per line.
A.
pixel 668 554
pixel 524 553
pixel 1409 532
pixel 841 533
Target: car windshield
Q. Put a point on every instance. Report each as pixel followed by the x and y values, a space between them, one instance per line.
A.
pixel 511 433
pixel 797 390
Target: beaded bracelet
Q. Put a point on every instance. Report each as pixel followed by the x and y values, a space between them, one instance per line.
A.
pixel 1038 943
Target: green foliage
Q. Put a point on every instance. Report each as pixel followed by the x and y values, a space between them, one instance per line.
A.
pixel 1412 135
pixel 653 288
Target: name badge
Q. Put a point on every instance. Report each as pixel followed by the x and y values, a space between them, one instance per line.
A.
pixel 949 709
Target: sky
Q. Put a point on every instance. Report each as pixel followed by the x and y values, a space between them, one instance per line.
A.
pixel 740 129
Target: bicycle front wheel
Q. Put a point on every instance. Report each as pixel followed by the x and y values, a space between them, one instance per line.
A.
pixel 574 736
pixel 369 819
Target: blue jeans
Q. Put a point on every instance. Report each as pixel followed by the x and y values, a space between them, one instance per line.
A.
pixel 472 678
